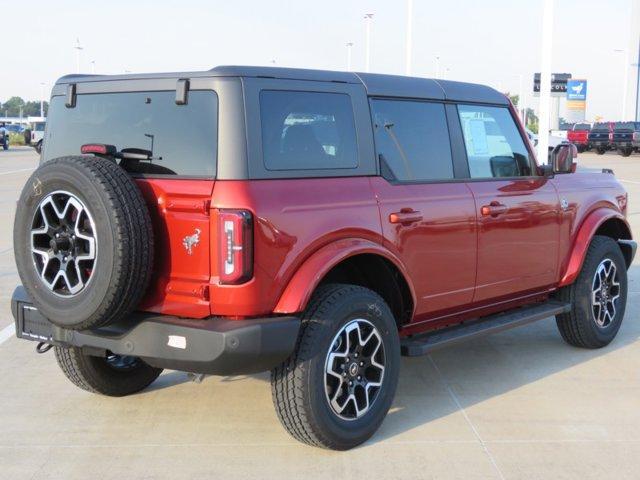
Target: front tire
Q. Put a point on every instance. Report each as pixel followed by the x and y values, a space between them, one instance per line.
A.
pixel 338 385
pixel 112 375
pixel 598 297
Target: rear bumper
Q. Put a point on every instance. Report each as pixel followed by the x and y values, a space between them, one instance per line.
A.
pixel 216 346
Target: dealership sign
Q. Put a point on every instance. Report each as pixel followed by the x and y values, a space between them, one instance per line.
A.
pixel 558 84
pixel 577 90
pixel 576 100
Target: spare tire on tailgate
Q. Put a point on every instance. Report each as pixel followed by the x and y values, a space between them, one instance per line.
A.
pixel 83 241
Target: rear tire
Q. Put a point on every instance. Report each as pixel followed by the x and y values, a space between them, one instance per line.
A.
pixel 601 151
pixel 586 325
pixel 38 147
pixel 626 152
pixel 312 391
pixel 114 375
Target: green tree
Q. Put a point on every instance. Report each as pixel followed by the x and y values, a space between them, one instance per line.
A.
pixel 31 108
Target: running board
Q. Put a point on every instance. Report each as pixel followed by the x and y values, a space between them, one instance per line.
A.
pixel 424 343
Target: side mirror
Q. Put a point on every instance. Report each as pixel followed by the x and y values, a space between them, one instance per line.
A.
pixel 562 158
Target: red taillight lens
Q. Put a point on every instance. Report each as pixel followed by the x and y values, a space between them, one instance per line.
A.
pixel 636 136
pixel 235 236
pixel 98 149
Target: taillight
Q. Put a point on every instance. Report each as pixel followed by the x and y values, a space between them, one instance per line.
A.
pixel 636 136
pixel 235 236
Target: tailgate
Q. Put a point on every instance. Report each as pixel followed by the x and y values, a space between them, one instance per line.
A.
pixel 180 214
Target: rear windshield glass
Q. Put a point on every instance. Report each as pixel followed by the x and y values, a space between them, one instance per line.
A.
pixel 182 138
pixel 307 130
pixel 582 126
pixel 626 126
pixel 601 127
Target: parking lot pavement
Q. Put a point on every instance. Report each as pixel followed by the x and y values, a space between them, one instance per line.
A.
pixel 517 405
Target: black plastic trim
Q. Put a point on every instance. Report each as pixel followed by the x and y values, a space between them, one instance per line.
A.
pixel 217 346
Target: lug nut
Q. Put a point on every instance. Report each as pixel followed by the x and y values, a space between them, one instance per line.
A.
pixel 359 378
pixel 351 384
pixel 344 374
pixel 355 355
pixel 362 364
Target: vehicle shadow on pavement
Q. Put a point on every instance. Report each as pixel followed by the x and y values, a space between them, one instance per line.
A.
pixel 460 377
pixel 436 386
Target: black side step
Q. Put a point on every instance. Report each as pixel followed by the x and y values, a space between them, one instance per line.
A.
pixel 424 343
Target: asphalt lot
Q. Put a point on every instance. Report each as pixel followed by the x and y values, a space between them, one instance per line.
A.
pixel 518 405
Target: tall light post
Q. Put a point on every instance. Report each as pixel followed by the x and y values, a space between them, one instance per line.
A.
pixel 368 18
pixel 42 85
pixel 545 81
pixel 409 34
pixel 349 45
pixel 625 76
pixel 78 49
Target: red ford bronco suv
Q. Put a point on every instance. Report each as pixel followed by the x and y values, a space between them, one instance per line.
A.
pixel 316 224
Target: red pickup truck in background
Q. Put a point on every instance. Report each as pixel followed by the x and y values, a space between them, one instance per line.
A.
pixel 579 136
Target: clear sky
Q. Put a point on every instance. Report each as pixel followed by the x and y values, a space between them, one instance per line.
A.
pixel 487 41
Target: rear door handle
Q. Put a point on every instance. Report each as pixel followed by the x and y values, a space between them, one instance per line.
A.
pixel 405 216
pixel 493 209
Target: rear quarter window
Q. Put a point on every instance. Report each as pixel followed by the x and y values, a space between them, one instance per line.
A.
pixel 183 138
pixel 307 130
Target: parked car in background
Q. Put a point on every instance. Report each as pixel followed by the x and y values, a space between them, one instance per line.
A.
pixel 626 137
pixel 37 136
pixel 601 137
pixel 4 137
pixel 579 136
pixel 15 128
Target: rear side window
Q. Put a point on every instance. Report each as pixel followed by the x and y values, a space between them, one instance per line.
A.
pixel 307 130
pixel 494 145
pixel 183 138
pixel 412 140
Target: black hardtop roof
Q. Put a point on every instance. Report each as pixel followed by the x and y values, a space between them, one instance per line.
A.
pixel 375 84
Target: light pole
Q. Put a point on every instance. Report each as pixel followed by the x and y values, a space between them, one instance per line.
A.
pixel 349 45
pixel 42 99
pixel 545 81
pixel 625 76
pixel 408 40
pixel 78 49
pixel 368 18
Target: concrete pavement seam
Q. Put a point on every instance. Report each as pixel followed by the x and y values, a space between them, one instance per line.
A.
pixel 466 417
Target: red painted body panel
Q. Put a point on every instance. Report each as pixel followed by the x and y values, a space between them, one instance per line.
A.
pixel 293 219
pixel 592 198
pixel 458 263
pixel 179 208
pixel 439 251
pixel 517 249
pixel 307 277
pixel 578 137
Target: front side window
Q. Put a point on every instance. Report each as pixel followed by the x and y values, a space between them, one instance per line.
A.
pixel 307 130
pixel 182 138
pixel 494 145
pixel 412 140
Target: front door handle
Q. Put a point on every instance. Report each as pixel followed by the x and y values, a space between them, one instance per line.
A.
pixel 493 209
pixel 406 215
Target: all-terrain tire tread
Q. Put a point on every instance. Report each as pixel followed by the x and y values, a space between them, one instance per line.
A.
pixel 287 380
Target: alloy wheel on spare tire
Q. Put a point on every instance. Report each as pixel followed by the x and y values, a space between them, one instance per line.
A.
pixel 83 241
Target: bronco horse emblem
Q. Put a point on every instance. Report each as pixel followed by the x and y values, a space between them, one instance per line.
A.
pixel 191 241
